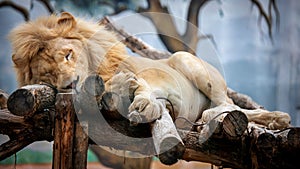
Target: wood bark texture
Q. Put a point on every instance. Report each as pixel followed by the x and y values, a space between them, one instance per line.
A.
pixel 63 132
pixel 220 143
pixel 31 98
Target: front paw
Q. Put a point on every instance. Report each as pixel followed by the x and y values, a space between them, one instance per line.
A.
pixel 280 121
pixel 145 109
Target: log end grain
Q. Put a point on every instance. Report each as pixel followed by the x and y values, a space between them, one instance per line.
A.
pixel 21 102
pixel 170 154
pixel 235 123
pixel 93 85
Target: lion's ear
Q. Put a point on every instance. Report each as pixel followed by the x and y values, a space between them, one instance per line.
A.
pixel 16 59
pixel 66 21
pixel 19 61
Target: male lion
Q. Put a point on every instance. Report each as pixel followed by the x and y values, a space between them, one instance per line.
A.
pixel 60 49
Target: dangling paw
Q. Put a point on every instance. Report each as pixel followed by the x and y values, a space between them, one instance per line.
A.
pixel 145 109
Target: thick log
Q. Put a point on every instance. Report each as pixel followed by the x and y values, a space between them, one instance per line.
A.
pixel 247 151
pixel 31 98
pixel 63 132
pixel 218 151
pixel 81 145
pixel 88 100
pixel 235 123
pixel 274 149
pixel 24 132
pixel 167 142
pixel 122 135
pixel 232 126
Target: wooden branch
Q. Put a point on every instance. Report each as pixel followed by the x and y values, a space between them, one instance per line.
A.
pixel 242 100
pixel 48 6
pixel 24 132
pixel 166 140
pixel 31 98
pixel 268 16
pixel 133 43
pixel 166 29
pixel 19 8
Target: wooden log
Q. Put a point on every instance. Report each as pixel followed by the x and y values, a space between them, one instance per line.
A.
pixel 89 97
pixel 31 98
pixel 81 145
pixel 275 150
pixel 122 135
pixel 233 125
pixel 93 85
pixel 63 132
pixel 3 99
pixel 219 149
pixel 23 132
pixel 112 103
pixel 167 142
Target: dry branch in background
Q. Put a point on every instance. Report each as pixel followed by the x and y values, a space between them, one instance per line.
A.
pixel 166 28
pixel 17 7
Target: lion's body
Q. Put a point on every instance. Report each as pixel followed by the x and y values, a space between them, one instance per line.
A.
pixel 166 82
pixel 59 49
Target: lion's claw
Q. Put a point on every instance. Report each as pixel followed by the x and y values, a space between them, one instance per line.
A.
pixel 134 118
pixel 145 109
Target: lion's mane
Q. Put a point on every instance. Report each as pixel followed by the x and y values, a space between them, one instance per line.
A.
pixel 101 48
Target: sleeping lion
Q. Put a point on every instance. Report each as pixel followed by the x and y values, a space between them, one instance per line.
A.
pixel 60 50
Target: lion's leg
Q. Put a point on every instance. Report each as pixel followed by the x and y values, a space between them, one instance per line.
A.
pixel 146 105
pixel 204 76
pixel 209 81
pixel 272 120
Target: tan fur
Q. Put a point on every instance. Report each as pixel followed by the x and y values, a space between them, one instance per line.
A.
pixel 58 49
pixel 39 48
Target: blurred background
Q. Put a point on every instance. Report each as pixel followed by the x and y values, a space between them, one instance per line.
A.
pixel 255 44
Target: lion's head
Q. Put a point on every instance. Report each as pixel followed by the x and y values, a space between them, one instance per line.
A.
pixel 59 49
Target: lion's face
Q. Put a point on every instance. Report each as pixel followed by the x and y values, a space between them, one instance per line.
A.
pixel 50 50
pixel 59 50
pixel 58 62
